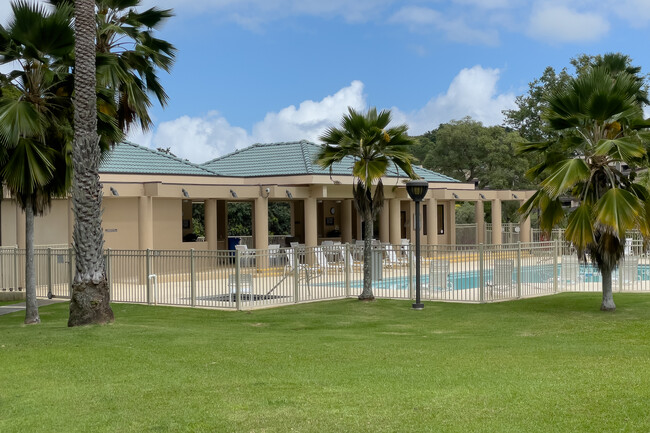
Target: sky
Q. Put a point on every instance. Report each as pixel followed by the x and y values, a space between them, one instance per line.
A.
pixel 263 71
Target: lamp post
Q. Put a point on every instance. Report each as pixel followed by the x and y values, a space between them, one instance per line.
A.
pixel 417 189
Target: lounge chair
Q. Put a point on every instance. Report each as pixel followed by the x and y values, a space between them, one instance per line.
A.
pixel 324 264
pixel 502 281
pixel 439 275
pixel 570 270
pixel 246 256
pixel 245 282
pixel 629 270
pixel 276 256
pixel 392 259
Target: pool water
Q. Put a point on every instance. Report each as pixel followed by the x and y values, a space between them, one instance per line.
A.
pixel 529 274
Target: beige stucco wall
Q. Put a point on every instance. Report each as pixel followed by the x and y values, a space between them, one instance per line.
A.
pixel 8 222
pixel 120 223
pixel 52 227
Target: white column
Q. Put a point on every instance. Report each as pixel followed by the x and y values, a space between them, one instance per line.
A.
pixel 432 221
pixel 384 223
pixel 346 221
pixel 497 229
pixel 211 223
pixel 479 216
pixel 452 222
pixel 394 222
pixel 311 223
pixel 261 223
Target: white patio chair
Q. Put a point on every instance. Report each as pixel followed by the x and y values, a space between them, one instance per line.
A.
pixel 570 270
pixel 323 263
pixel 276 256
pixel 246 285
pixel 502 281
pixel 392 259
pixel 439 275
pixel 246 256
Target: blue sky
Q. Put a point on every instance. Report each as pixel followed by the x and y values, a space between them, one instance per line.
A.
pixel 278 70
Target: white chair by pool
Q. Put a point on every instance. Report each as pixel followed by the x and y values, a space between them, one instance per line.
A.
pixel 245 283
pixel 439 275
pixel 570 270
pixel 502 282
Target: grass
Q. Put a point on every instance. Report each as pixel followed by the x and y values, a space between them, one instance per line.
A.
pixel 538 365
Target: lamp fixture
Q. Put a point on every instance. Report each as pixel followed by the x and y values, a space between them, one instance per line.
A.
pixel 514 196
pixel 233 193
pixel 481 195
pixel 114 192
pixel 185 193
pixel 289 194
pixel 417 189
pixel 454 194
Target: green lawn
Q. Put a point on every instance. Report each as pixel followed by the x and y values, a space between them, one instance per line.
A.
pixel 553 364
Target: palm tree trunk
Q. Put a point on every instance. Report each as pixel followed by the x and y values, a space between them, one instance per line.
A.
pixel 608 297
pixel 367 294
pixel 90 296
pixel 31 303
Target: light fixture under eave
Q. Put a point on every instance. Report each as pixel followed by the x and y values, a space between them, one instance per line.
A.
pixel 514 196
pixel 454 194
pixel 233 193
pixel 114 192
pixel 185 193
pixel 481 195
pixel 289 194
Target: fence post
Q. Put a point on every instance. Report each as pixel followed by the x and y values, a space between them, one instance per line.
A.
pixel 70 274
pixel 16 268
pixel 348 269
pixel 192 278
pixel 108 272
pixel 518 269
pixel 50 295
pixel 410 271
pixel 555 253
pixel 296 275
pixel 481 274
pixel 238 280
pixel 148 271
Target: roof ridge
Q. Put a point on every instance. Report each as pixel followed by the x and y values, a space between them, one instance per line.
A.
pixel 168 156
pixel 306 156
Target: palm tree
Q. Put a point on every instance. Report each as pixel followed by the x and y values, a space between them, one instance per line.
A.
pixel 90 295
pixel 34 128
pixel 367 139
pixel 600 120
pixel 128 56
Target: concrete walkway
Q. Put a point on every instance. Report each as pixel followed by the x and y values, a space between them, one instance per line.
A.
pixel 6 309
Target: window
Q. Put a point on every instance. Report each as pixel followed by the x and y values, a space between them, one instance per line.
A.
pixel 193 220
pixel 441 219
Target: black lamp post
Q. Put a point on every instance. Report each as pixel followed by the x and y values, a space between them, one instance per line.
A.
pixel 417 189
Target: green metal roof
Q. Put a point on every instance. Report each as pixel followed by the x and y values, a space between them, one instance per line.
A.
pixel 127 157
pixel 291 159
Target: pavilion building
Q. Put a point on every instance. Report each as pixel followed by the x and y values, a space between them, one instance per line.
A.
pixel 149 197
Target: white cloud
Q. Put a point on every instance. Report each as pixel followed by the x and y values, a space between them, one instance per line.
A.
pixel 200 139
pixel 455 28
pixel 558 23
pixel 473 92
pixel 205 138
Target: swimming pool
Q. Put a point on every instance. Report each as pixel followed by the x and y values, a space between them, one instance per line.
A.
pixel 529 275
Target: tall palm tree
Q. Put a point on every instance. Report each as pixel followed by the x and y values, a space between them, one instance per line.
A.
pixel 90 295
pixel 128 57
pixel 34 128
pixel 367 139
pixel 600 120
